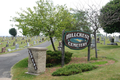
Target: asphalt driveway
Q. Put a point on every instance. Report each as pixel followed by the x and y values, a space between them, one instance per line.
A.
pixel 8 60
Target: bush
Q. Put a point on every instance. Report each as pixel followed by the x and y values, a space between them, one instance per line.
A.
pixel 54 58
pixel 73 69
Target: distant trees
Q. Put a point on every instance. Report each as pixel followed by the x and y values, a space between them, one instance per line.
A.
pixel 110 16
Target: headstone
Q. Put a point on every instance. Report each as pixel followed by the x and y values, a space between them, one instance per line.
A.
pixel 116 39
pixel 28 40
pixel 110 38
pixel 8 50
pixel 42 39
pixel 102 38
pixel 13 43
pixel 23 38
pixel 7 41
pixel 93 43
pixel 34 42
pixel 3 49
pixel 7 45
pixel 21 42
pixel 37 42
pixel 17 46
pixel 98 40
pixel 104 41
pixel 112 41
pixel 28 44
pixel 15 39
pixel 12 38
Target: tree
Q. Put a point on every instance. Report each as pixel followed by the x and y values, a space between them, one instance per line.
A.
pixel 44 18
pixel 92 14
pixel 81 23
pixel 13 32
pixel 110 16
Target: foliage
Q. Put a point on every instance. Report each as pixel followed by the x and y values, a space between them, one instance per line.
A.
pixel 54 58
pixel 81 21
pixel 13 32
pixel 73 69
pixel 110 16
pixel 45 18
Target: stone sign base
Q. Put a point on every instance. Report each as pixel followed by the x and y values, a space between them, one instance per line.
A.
pixel 36 60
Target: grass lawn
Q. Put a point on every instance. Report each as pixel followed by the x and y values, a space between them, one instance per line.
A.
pixel 21 46
pixel 108 62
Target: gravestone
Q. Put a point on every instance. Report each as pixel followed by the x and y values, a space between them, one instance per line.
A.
pixel 39 41
pixel 110 38
pixel 7 45
pixel 23 38
pixel 28 40
pixel 98 40
pixel 17 46
pixel 12 38
pixel 28 44
pixel 16 40
pixel 21 42
pixel 13 43
pixel 42 39
pixel 34 43
pixel 9 50
pixel 104 41
pixel 102 38
pixel 116 39
pixel 8 41
pixel 112 41
pixel 3 49
pixel 93 43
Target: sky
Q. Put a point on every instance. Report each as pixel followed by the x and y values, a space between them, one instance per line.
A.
pixel 10 7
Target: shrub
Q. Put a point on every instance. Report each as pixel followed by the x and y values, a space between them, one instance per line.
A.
pixel 73 69
pixel 54 58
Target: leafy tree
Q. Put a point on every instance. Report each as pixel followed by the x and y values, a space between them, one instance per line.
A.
pixel 13 32
pixel 44 18
pixel 110 16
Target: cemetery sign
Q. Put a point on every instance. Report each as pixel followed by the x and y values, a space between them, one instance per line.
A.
pixel 76 39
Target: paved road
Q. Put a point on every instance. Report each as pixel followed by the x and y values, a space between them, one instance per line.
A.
pixel 8 60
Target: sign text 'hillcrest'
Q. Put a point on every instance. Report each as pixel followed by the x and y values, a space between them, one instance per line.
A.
pixel 76 39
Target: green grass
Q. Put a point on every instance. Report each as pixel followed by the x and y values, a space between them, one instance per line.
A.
pixel 107 72
pixel 99 63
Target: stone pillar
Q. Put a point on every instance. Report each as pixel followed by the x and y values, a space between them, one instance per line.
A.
pixel 36 60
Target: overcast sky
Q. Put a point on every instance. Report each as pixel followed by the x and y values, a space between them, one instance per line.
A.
pixel 10 7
